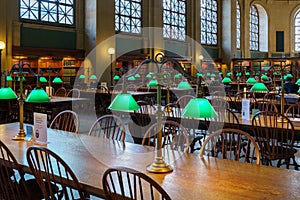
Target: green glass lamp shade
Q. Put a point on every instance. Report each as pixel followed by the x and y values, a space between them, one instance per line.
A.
pixel 199 74
pixel 184 85
pixel 82 76
pixel 124 102
pixel 208 74
pixel 137 76
pixel 149 75
pixel 9 78
pixel 259 87
pixel 289 75
pixel 213 75
pixel 251 80
pixel 131 78
pixel 177 76
pixel 220 73
pixel 57 80
pixel 238 74
pixel 247 74
pixel 7 93
pixel 38 95
pixel 298 91
pixel 228 74
pixel 226 80
pixel 116 78
pixel 93 77
pixel 298 82
pixel 153 83
pixel 264 77
pixel 275 73
pixel 199 108
pixel 257 73
pixel 43 79
pixel 24 79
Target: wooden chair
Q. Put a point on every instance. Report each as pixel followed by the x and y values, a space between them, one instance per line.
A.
pixel 231 144
pixel 125 183
pixel 238 100
pixel 61 92
pixel 75 93
pixel 271 96
pixel 184 100
pixel 131 87
pixel 51 170
pixel 293 110
pixel 109 126
pixel 12 179
pixel 263 105
pixel 142 119
pixel 145 107
pixel 173 134
pixel 10 173
pixel 276 142
pixel 66 120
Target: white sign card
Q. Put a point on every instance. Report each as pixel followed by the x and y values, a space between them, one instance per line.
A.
pixel 40 127
pixel 246 109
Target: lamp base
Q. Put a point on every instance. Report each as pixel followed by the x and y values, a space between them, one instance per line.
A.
pixel 281 120
pixel 159 166
pixel 21 135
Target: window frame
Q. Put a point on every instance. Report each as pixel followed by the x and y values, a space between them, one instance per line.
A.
pixel 251 31
pixel 238 25
pixel 179 36
pixel 130 18
pixel 202 7
pixel 297 16
pixel 39 21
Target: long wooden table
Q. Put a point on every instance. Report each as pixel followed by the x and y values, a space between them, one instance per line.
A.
pixel 192 178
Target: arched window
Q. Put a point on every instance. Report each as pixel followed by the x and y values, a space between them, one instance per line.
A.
pixel 254 29
pixel 238 25
pixel 174 19
pixel 209 22
pixel 297 31
pixel 60 12
pixel 128 16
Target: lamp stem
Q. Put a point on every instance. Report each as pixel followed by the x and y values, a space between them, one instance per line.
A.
pixel 111 70
pixel 21 135
pixel 282 99
pixel 159 165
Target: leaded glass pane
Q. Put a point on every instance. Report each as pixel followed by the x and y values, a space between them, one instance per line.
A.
pixel 53 11
pixel 209 22
pixel 254 30
pixel 238 25
pixel 128 15
pixel 297 31
pixel 174 19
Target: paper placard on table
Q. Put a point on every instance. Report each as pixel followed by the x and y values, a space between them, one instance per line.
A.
pixel 40 127
pixel 246 109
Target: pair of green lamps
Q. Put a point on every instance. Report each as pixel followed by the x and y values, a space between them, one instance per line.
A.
pixel 196 108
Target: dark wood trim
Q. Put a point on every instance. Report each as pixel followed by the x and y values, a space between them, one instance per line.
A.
pixel 38 52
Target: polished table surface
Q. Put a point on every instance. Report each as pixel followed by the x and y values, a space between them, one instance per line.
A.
pixel 192 178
